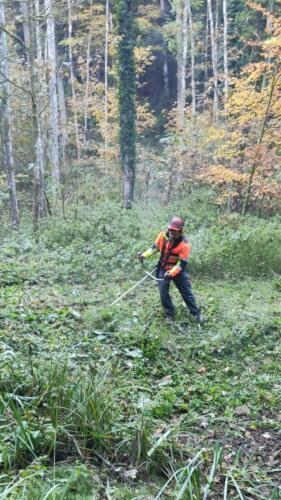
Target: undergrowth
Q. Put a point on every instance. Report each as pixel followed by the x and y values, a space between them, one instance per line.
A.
pixel 100 402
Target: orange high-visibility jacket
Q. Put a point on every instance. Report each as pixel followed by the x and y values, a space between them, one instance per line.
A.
pixel 174 255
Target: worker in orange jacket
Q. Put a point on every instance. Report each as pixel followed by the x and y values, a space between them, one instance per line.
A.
pixel 174 248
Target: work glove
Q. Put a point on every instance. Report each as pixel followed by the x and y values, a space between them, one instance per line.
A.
pixel 140 257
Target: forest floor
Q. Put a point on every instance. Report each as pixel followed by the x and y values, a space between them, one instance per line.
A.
pixel 100 402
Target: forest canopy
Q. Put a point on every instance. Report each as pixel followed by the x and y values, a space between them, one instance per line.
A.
pixel 203 101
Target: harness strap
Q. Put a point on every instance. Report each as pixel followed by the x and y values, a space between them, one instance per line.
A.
pixel 164 258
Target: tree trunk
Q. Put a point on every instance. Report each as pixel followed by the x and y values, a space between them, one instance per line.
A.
pixel 180 94
pixel 165 57
pixel 128 181
pixel 192 57
pixel 42 97
pixel 127 95
pixel 206 58
pixel 106 82
pixel 88 59
pixel 268 30
pixel 38 187
pixel 184 53
pixel 214 60
pixel 170 182
pixel 63 140
pixel 6 124
pixel 72 81
pixel 63 124
pixel 225 52
pixel 26 34
pixel 53 94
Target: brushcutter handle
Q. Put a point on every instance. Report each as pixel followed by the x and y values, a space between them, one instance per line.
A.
pixel 140 257
pixel 151 275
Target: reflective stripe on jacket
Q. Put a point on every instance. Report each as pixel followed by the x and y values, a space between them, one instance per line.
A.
pixel 174 255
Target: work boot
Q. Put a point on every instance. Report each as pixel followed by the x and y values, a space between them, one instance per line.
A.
pixel 198 318
pixel 169 320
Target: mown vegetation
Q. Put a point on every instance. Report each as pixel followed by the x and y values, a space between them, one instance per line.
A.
pixel 108 402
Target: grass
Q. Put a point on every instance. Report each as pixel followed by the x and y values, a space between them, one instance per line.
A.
pixel 99 402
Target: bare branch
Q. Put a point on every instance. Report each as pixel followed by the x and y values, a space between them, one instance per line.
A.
pixel 14 83
pixel 15 37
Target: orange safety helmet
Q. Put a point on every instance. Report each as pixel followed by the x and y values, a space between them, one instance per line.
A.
pixel 176 223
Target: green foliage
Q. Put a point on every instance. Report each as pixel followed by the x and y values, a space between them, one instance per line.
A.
pixel 228 244
pixel 111 399
pixel 238 246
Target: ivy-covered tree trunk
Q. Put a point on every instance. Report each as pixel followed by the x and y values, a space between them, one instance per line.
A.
pixel 126 12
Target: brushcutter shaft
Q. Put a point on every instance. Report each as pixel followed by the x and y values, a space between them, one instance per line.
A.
pixel 130 289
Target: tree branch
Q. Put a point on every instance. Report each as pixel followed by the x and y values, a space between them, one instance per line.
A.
pixel 15 37
pixel 260 138
pixel 13 83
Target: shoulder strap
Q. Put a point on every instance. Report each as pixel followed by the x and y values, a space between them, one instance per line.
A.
pixel 174 245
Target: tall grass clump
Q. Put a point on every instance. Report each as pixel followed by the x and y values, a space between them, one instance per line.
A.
pixel 65 410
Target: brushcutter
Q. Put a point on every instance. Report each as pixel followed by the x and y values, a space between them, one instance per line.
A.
pixel 148 274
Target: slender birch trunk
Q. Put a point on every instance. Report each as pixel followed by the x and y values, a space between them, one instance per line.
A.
pixel 42 93
pixel 72 81
pixel 63 123
pixel 192 57
pixel 180 95
pixel 6 124
pixel 206 59
pixel 165 57
pixel 225 51
pixel 26 34
pixel 214 59
pixel 37 137
pixel 88 60
pixel 39 162
pixel 63 140
pixel 268 30
pixel 28 10
pixel 170 181
pixel 106 82
pixel 225 85
pixel 52 63
pixel 184 53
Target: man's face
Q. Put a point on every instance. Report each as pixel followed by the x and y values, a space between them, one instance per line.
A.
pixel 173 234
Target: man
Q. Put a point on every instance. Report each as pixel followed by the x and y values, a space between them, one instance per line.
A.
pixel 175 249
